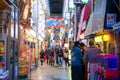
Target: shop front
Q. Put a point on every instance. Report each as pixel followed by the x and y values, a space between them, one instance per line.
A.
pixel 9 18
pixel 4 71
pixel 116 29
pixel 99 29
pixel 27 50
pixel 106 40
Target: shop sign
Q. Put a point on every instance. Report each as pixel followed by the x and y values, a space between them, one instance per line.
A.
pixel 116 26
pixel 111 20
pixel 80 1
pixel 98 39
pixel 71 5
pixel 67 15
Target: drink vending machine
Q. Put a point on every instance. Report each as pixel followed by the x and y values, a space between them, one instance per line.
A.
pixel 107 67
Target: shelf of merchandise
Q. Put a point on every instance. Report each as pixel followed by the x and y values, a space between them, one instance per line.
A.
pixel 24 64
pixel 3 72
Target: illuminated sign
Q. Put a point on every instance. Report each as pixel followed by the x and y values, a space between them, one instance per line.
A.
pixel 112 63
pixel 67 15
pixel 111 19
pixel 71 5
pixel 80 1
pixel 98 39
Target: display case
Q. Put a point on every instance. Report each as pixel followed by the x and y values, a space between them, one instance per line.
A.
pixel 3 72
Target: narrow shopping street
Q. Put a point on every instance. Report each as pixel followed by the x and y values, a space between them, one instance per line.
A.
pixel 83 34
pixel 46 72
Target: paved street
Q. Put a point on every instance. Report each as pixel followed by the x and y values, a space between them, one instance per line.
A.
pixel 46 72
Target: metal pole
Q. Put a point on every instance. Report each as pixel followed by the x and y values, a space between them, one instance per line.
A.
pixel 36 55
pixel 75 23
pixel 13 54
pixel 116 51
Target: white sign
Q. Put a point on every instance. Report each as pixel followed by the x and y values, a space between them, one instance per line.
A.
pixel 67 15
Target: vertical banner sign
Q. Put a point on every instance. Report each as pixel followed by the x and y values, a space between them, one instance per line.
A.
pixel 111 20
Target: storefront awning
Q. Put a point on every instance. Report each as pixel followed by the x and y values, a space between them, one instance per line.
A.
pixel 3 4
pixel 24 24
pixel 96 20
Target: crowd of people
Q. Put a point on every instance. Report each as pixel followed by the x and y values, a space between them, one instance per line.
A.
pixel 54 57
pixel 81 57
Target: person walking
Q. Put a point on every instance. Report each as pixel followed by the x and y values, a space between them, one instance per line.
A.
pixel 60 57
pixel 66 57
pixel 51 59
pixel 90 59
pixel 76 62
pixel 42 57
pixel 47 52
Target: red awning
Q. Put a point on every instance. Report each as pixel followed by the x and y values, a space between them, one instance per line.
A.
pixel 83 17
pixel 24 24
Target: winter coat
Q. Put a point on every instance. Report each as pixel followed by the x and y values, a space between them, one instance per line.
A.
pixel 76 56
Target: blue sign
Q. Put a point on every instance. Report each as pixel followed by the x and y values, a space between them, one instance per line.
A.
pixel 111 20
pixel 112 63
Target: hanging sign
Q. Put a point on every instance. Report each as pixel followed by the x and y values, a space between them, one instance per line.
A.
pixel 67 15
pixel 111 20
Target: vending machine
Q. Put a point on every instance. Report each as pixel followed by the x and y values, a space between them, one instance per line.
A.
pixel 107 67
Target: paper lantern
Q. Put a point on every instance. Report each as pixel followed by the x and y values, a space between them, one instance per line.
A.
pixel 106 37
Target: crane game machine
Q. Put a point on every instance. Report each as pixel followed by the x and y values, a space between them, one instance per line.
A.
pixel 108 67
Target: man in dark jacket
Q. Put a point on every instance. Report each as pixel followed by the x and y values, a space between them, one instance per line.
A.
pixel 83 47
pixel 76 63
